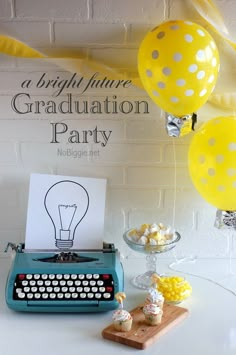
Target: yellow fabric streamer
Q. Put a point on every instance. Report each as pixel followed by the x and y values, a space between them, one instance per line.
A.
pixel 221 97
pixel 85 67
pixel 206 8
pixel 11 46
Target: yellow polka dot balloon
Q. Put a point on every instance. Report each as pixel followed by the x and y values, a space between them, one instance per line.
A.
pixel 212 162
pixel 178 63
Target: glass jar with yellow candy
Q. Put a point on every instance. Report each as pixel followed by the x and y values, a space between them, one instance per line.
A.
pixel 175 289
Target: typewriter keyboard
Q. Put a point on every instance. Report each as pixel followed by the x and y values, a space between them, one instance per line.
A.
pixel 71 287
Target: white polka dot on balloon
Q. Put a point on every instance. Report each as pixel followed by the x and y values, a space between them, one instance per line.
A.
pixel 200 55
pixel 221 188
pixel 174 99
pixel 214 62
pixel 161 85
pixel 211 172
pixel 161 35
pixel 166 71
pixel 213 45
pixel 203 180
pixel 189 92
pixel 201 74
pixel 203 92
pixel 232 146
pixel 200 32
pixel 212 141
pixel 174 27
pixel 193 68
pixel 188 38
pixel 211 79
pixel 155 54
pixel 149 73
pixel 202 159
pixel 220 158
pixel 177 57
pixel 180 82
pixel 231 172
pixel 188 23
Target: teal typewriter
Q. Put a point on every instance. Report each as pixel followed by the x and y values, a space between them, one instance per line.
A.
pixel 65 281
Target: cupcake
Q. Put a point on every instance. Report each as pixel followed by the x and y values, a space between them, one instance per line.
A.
pixel 152 313
pixel 122 320
pixel 154 297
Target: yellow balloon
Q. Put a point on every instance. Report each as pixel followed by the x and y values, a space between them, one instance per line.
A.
pixel 212 162
pixel 178 63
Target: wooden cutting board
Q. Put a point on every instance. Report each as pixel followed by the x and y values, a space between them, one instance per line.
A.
pixel 142 335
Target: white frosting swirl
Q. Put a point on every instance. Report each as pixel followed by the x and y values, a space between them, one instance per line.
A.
pixel 151 309
pixel 121 315
pixel 154 296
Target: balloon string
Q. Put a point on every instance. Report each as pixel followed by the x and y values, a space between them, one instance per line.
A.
pixel 166 15
pixel 231 247
pixel 175 183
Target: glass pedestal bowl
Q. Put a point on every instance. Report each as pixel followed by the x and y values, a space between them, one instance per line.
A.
pixel 143 281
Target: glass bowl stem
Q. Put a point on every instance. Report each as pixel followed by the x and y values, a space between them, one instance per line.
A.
pixel 151 261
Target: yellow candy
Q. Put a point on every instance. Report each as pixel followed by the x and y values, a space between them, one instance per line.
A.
pixel 153 235
pixel 144 227
pixel 174 288
pixel 133 232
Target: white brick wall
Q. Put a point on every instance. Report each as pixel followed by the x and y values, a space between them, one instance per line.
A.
pixel 52 9
pixel 78 34
pixel 128 11
pixel 138 161
pixel 5 9
pixel 35 33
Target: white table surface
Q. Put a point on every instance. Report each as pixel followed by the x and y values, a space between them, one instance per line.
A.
pixel 210 328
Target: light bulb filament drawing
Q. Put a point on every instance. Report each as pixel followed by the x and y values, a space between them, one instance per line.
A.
pixel 66 214
pixel 66 202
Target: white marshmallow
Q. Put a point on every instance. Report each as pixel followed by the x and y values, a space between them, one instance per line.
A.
pixel 143 240
pixel 152 241
pixel 154 228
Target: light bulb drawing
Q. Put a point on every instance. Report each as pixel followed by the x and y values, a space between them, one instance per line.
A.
pixel 66 203
pixel 66 214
